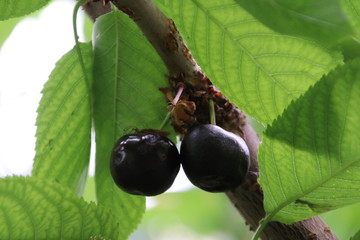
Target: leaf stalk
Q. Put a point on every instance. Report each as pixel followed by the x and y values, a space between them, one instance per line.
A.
pixel 77 44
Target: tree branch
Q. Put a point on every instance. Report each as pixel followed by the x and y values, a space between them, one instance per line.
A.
pixel 162 34
pixel 248 200
pixel 96 9
pixel 183 70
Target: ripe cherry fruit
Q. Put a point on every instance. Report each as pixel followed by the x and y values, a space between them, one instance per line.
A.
pixel 144 163
pixel 214 159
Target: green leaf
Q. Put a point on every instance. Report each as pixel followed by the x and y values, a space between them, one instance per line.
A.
pixel 351 47
pixel 322 20
pixel 356 236
pixel 6 29
pixel 87 27
pixel 343 221
pixel 89 191
pixel 309 157
pixel 18 8
pixel 352 10
pixel 34 208
pixel 9 25
pixel 258 69
pixel 128 73
pixel 64 123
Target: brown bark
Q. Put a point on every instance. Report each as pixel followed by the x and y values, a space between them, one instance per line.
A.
pixel 95 9
pixel 183 69
pixel 162 34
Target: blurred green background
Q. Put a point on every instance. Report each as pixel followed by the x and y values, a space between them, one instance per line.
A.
pixel 199 215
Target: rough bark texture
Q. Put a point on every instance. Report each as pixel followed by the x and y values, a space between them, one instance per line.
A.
pixel 162 34
pixel 184 71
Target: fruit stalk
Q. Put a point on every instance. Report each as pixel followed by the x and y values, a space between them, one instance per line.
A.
pixel 212 112
pixel 183 69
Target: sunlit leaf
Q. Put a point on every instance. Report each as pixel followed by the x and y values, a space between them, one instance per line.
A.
pixel 258 69
pixel 322 20
pixel 64 123
pixel 352 10
pixel 34 208
pixel 310 157
pixel 89 191
pixel 351 47
pixel 128 73
pixel 88 28
pixel 18 8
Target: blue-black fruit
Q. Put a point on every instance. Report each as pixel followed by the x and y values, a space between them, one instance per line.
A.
pixel 144 163
pixel 214 159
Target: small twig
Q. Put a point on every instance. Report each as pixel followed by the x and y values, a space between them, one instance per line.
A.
pixel 165 121
pixel 212 112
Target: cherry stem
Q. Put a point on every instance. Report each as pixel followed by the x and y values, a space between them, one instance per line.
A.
pixel 178 95
pixel 165 121
pixel 212 112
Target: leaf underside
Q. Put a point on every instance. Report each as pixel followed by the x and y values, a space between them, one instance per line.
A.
pixel 321 20
pixel 33 208
pixel 127 75
pixel 258 69
pixel 309 158
pixel 64 123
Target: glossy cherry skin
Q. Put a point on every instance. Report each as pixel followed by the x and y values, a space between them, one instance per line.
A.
pixel 144 163
pixel 214 159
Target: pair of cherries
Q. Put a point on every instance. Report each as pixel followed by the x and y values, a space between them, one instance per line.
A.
pixel 213 159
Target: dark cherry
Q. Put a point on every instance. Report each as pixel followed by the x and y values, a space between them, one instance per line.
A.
pixel 214 159
pixel 144 163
